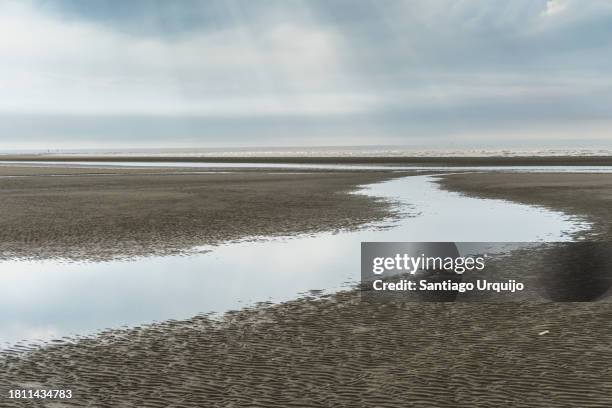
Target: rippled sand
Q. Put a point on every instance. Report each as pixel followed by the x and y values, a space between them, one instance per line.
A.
pixel 585 195
pixel 102 214
pixel 339 351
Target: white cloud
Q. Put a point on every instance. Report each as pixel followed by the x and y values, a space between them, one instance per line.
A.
pixel 53 66
pixel 555 7
pixel 311 70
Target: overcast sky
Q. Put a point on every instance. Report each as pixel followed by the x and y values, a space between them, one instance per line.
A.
pixel 474 73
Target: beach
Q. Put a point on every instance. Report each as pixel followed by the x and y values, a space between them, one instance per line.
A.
pixel 330 350
pixel 118 213
pixel 338 351
pixel 279 204
pixel 587 195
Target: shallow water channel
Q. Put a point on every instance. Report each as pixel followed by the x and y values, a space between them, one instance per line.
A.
pixel 43 300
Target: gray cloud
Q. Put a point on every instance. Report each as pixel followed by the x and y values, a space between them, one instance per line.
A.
pixel 306 72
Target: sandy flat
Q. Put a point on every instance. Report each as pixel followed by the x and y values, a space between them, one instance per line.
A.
pixel 99 214
pixel 586 195
pixel 341 352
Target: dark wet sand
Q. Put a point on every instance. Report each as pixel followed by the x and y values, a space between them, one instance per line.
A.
pixel 341 352
pixel 100 214
pixel 588 196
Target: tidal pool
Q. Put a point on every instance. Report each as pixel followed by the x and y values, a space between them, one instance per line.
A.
pixel 44 300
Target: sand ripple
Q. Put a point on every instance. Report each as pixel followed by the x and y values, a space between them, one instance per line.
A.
pixel 338 352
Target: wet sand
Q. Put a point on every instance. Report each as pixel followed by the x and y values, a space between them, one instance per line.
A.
pixel 102 214
pixel 588 196
pixel 339 351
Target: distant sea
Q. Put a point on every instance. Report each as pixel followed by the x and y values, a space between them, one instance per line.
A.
pixel 334 151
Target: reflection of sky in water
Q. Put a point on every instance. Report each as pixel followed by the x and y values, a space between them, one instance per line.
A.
pixel 46 299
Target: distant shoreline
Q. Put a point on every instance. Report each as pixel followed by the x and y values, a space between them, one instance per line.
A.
pixel 397 161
